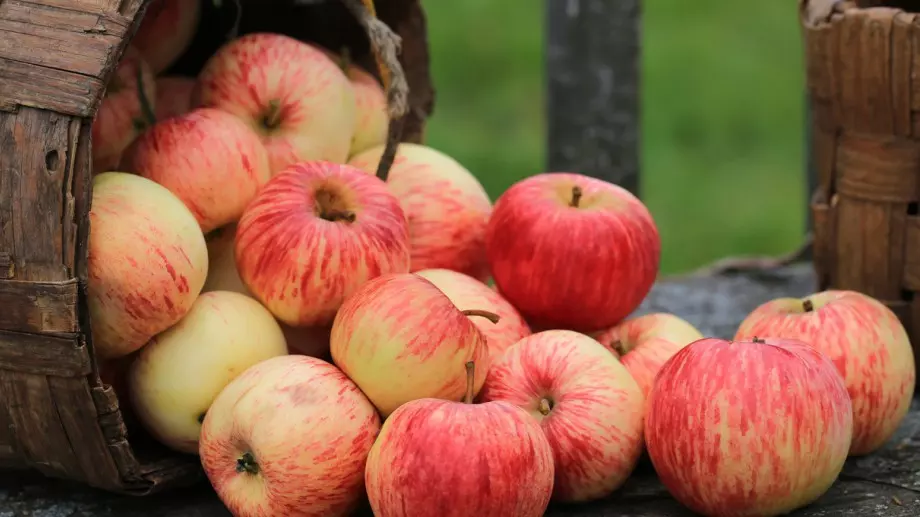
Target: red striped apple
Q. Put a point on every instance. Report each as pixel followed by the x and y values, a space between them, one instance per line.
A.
pixel 400 339
pixel 174 96
pixel 208 158
pixel 468 293
pixel 571 251
pixel 748 428
pixel 865 341
pixel 586 402
pixel 453 459
pixel 372 120
pixel 646 342
pixel 446 206
pixel 289 92
pixel 313 235
pixel 147 262
pixel 166 31
pixel 290 436
pixel 177 375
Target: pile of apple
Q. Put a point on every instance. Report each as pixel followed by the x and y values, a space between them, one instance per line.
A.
pixel 317 335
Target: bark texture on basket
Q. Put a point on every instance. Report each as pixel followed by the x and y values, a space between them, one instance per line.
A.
pixel 56 415
pixel 863 75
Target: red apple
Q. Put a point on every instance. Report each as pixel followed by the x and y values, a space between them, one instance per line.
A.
pixel 121 116
pixel 313 235
pixel 865 341
pixel 174 96
pixel 468 293
pixel 748 428
pixel 586 402
pixel 290 436
pixel 446 206
pixel 571 251
pixel 400 339
pixel 166 31
pixel 288 91
pixel 439 458
pixel 208 158
pixel 646 342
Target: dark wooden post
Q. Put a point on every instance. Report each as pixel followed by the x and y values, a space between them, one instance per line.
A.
pixel 593 89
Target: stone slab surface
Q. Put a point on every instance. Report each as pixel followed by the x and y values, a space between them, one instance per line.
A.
pixel 884 484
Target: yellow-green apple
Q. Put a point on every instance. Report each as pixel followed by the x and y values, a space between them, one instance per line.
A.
pixel 177 375
pixel 288 91
pixel 489 460
pixel 571 251
pixel 147 262
pixel 588 405
pixel 748 428
pixel 166 31
pixel 865 341
pixel 644 343
pixel 312 341
pixel 121 115
pixel 290 436
pixel 467 293
pixel 446 206
pixel 400 339
pixel 208 158
pixel 313 235
pixel 174 96
pixel 372 119
pixel 222 272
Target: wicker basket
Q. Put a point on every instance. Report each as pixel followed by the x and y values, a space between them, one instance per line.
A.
pixel 57 416
pixel 863 75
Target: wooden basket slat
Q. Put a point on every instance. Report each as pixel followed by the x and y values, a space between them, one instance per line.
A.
pixel 41 307
pixel 44 354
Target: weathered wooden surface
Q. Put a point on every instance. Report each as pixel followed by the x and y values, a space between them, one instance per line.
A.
pixel 885 484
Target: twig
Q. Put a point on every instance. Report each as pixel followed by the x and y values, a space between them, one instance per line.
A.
pixel 752 264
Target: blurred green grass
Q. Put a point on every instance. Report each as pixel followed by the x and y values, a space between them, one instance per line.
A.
pixel 722 115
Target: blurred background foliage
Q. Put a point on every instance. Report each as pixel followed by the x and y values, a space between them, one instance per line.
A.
pixel 722 115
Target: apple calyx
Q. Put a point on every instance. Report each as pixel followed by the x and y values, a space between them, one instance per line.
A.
pixel 329 207
pixel 576 196
pixel 491 316
pixel 808 306
pixel 470 382
pixel 618 347
pixel 272 118
pixel 344 60
pixel 202 416
pixel 545 406
pixel 247 464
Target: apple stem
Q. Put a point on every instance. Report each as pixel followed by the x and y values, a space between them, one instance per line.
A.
pixel 149 116
pixel 345 59
pixel 757 340
pixel 491 316
pixel 808 306
pixel 545 406
pixel 618 347
pixel 576 196
pixel 272 118
pixel 247 463
pixel 470 382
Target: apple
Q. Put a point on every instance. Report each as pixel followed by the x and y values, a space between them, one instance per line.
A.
pixel 147 262
pixel 571 251
pixel 222 272
pixel 166 31
pixel 291 93
pixel 313 235
pixel 290 436
pixel 444 458
pixel 179 372
pixel 866 342
pixel 467 293
pixel 208 158
pixel 312 341
pixel 588 405
pixel 174 96
pixel 446 206
pixel 121 116
pixel 748 428
pixel 646 342
pixel 372 117
pixel 400 339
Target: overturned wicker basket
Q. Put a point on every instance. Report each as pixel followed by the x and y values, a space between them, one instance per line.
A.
pixel 57 415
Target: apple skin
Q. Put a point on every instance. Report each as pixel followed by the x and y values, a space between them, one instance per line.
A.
pixel 174 96
pixel 372 120
pixel 486 460
pixel 867 344
pixel 302 266
pixel 400 339
pixel 147 262
pixel 179 372
pixel 289 92
pixel 208 158
pixel 307 427
pixel 644 343
pixel 166 31
pixel 468 293
pixel 446 206
pixel 744 429
pixel 588 405
pixel 582 268
pixel 120 118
